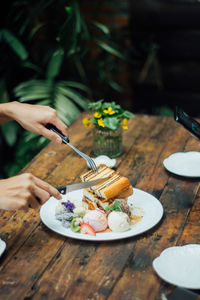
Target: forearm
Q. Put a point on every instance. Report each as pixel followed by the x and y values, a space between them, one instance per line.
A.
pixel 6 111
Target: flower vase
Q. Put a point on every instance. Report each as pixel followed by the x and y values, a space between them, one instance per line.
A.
pixel 107 142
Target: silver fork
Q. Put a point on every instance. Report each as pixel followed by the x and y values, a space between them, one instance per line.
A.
pixel 66 141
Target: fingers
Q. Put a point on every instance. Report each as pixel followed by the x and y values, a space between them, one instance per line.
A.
pixel 61 126
pixel 41 191
pixel 41 195
pixel 54 120
pixel 34 202
pixel 52 136
pixel 27 200
pixel 47 190
pixel 37 192
pixel 34 198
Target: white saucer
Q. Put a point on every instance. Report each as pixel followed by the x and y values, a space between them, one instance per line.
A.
pixel 2 246
pixel 184 163
pixel 180 266
pixel 103 159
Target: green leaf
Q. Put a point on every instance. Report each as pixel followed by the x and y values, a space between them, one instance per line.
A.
pixel 114 207
pixel 28 64
pixel 34 96
pixel 102 27
pixel 10 130
pixel 74 84
pixel 127 114
pixel 95 105
pixel 43 102
pixel 110 49
pixel 28 136
pixel 15 44
pixel 55 64
pixel 111 123
pixel 77 17
pixel 67 110
pixel 32 92
pixel 68 9
pixel 115 86
pixel 73 95
pixel 32 86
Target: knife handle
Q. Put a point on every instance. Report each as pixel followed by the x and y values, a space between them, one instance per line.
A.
pixel 58 132
pixel 62 189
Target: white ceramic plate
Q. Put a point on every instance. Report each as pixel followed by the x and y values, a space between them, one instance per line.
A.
pixel 184 163
pixel 150 207
pixel 180 266
pixel 2 246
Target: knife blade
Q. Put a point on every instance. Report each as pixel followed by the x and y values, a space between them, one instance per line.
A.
pixel 78 186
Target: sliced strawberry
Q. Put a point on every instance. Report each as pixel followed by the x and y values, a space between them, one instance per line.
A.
pixel 87 229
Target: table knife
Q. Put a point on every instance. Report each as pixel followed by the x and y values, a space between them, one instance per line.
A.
pixel 77 186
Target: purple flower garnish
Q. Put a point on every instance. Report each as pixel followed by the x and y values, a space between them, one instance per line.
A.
pixel 68 205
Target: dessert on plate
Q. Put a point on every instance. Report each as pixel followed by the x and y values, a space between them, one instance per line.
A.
pixel 103 207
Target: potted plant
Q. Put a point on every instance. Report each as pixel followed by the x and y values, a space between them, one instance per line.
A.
pixel 108 120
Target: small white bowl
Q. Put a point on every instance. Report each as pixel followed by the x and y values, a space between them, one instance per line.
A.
pixel 103 159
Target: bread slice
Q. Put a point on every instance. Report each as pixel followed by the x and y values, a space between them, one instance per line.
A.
pixel 103 194
pixel 92 201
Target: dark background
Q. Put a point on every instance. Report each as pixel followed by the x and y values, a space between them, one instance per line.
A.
pixel 173 78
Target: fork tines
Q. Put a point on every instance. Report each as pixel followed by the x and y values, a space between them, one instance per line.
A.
pixel 85 156
pixel 92 164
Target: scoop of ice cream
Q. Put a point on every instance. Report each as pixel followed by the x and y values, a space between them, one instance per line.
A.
pixel 118 221
pixel 96 219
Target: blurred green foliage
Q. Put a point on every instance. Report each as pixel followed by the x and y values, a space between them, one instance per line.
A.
pixel 47 58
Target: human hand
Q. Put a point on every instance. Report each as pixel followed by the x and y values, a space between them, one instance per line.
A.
pixel 35 117
pixel 24 191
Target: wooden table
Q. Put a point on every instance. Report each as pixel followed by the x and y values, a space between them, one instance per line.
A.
pixel 40 264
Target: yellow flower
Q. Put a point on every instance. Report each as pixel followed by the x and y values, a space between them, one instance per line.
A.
pixel 97 115
pixel 86 123
pixel 124 124
pixel 100 122
pixel 109 111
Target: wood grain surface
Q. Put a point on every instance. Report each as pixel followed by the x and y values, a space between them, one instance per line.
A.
pixel 40 264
